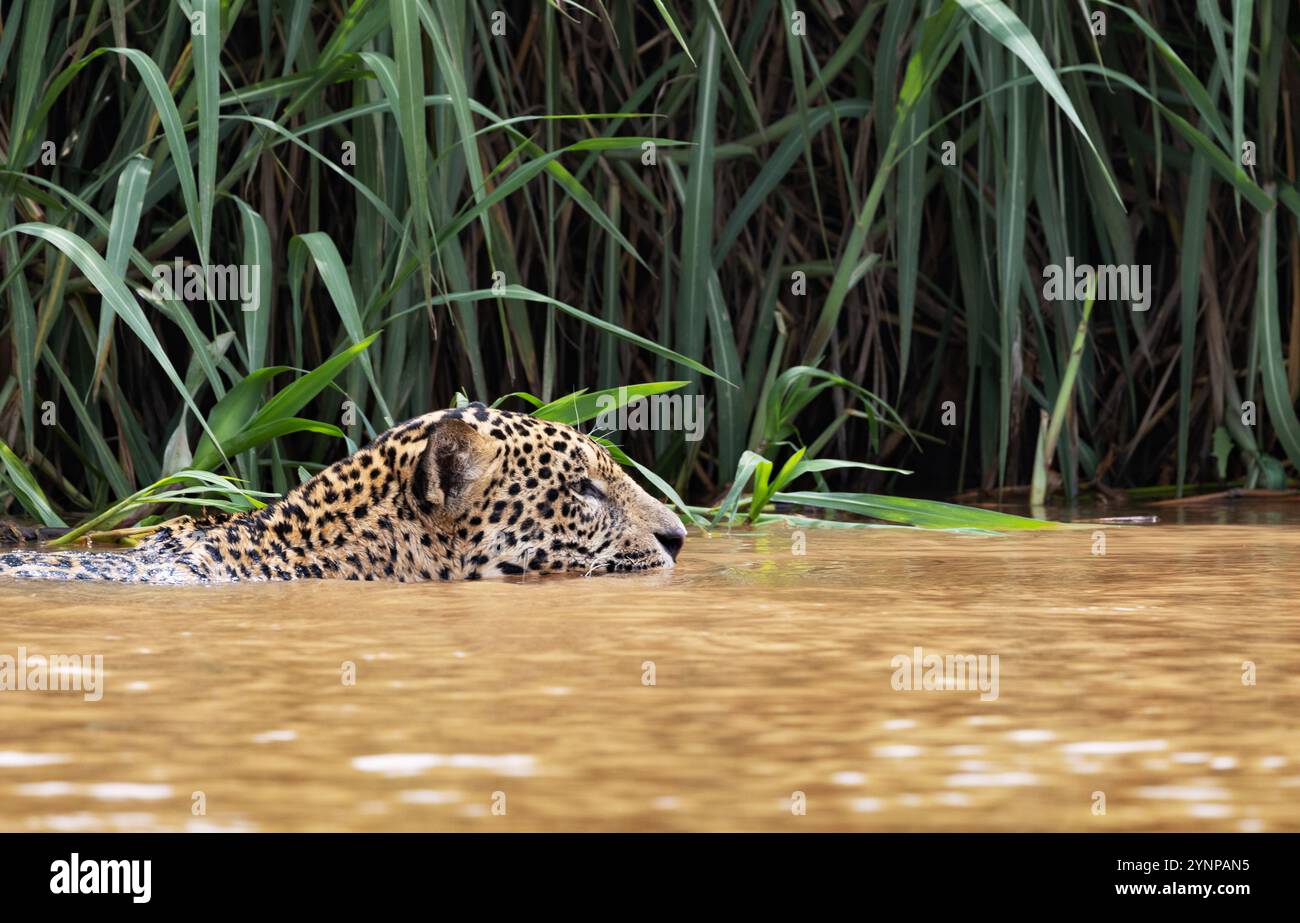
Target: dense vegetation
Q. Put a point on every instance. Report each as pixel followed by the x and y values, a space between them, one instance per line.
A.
pixel 832 219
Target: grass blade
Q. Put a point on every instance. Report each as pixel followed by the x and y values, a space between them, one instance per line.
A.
pixel 24 486
pixel 132 184
pixel 111 287
pixel 998 20
pixel 1277 395
pixel 927 514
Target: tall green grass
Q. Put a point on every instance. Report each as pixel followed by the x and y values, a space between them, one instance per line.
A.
pixel 831 219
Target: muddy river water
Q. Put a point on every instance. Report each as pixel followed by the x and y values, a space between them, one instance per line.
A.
pixel 1148 679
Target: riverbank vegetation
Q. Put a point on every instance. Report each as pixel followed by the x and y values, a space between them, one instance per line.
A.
pixel 834 222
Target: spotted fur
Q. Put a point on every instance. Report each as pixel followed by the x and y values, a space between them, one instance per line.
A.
pixel 455 494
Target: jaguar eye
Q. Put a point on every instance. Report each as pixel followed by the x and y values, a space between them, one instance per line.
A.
pixel 588 489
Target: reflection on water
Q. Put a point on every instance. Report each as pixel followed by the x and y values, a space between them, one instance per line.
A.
pixel 776 676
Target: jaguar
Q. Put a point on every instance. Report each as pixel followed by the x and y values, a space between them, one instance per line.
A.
pixel 456 494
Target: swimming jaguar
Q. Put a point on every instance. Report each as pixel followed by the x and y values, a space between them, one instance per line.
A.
pixel 455 494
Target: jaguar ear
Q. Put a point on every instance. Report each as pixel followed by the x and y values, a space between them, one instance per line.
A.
pixel 456 456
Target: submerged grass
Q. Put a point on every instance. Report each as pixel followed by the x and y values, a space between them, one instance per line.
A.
pixel 832 222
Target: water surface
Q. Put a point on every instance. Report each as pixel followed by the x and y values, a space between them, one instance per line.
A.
pixel 1120 676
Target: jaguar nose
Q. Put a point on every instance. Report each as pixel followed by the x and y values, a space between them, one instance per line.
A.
pixel 672 541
